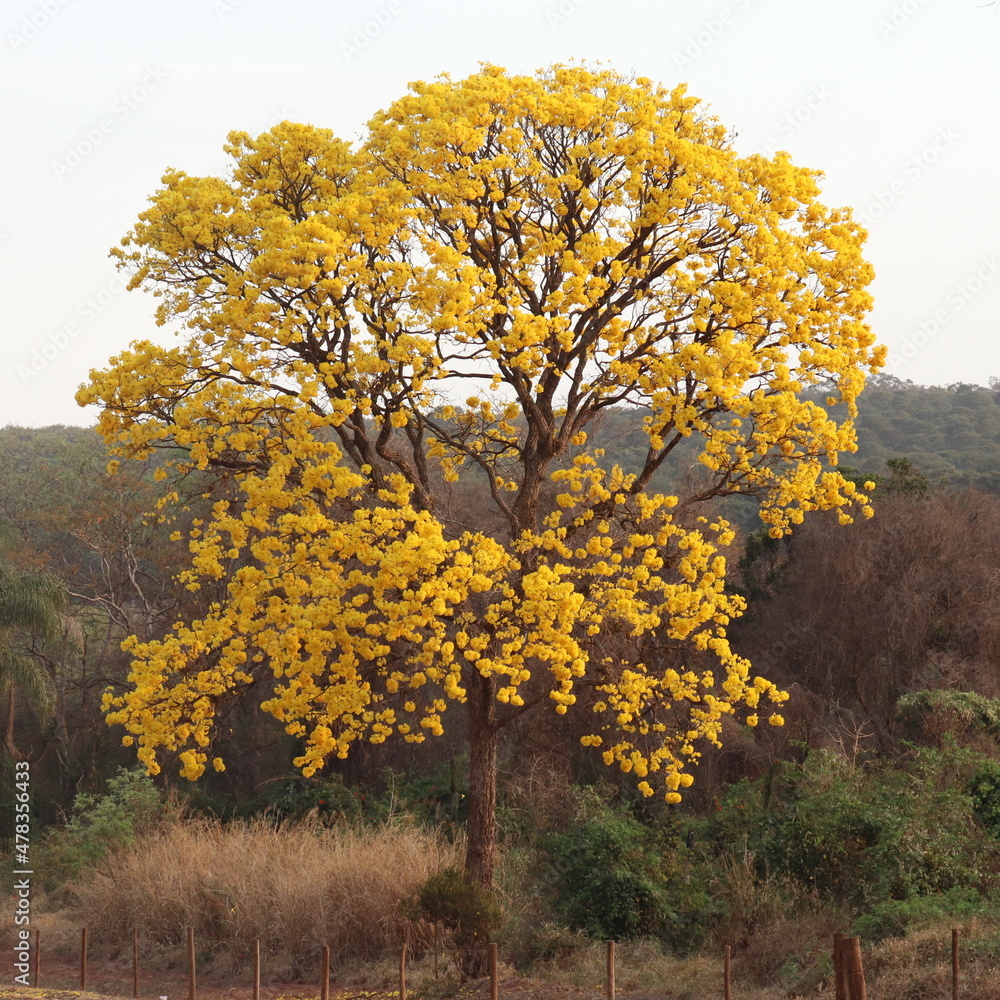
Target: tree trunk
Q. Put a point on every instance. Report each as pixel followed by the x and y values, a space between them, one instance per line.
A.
pixel 9 735
pixel 481 826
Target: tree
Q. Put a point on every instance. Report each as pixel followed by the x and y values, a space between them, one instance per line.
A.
pixel 448 308
pixel 29 606
pixel 113 564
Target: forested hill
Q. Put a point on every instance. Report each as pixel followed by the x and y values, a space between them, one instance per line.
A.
pixel 947 432
pixel 950 432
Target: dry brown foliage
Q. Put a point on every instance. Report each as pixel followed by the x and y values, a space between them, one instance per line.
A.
pixel 295 889
pixel 860 615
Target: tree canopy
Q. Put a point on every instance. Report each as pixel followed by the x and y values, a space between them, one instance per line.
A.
pixel 394 353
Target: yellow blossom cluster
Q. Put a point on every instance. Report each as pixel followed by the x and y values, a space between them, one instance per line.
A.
pixel 371 335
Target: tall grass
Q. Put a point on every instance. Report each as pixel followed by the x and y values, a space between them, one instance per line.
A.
pixel 917 967
pixel 306 885
pixel 295 888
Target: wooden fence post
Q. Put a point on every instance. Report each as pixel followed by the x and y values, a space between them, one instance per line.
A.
pixel 727 971
pixel 38 957
pixel 192 979
pixel 611 970
pixel 256 969
pixel 839 968
pixel 83 959
pixel 324 984
pixel 402 971
pixel 954 963
pixel 856 989
pixel 494 980
pixel 135 963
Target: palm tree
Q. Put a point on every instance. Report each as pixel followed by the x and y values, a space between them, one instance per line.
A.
pixel 29 609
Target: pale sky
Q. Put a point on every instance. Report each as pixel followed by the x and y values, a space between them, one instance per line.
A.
pixel 897 101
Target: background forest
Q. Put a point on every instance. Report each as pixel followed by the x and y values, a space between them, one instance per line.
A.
pixel 875 807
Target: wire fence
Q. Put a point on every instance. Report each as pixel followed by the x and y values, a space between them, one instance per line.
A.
pixel 848 967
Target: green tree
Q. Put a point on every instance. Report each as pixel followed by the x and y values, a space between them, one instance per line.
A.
pixel 29 611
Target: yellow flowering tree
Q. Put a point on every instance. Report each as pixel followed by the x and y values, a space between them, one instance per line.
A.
pixel 460 298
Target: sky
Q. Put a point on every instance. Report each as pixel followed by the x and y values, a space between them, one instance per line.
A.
pixel 896 101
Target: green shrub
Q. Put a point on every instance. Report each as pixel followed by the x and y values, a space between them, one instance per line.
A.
pixel 984 791
pixel 462 906
pixel 439 798
pixel 129 806
pixel 862 835
pixel 694 910
pixel 610 879
pixel 895 917
pixel 296 797
pixel 943 712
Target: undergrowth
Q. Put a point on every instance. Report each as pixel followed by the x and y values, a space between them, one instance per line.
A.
pixel 295 888
pixel 896 851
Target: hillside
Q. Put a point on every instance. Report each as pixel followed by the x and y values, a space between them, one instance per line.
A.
pixel 946 431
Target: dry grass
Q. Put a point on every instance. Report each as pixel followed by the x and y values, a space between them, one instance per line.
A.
pixel 295 889
pixel 642 969
pixel 305 885
pixel 917 967
pixel 913 968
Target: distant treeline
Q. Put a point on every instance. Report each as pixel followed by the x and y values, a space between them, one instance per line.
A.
pixel 950 432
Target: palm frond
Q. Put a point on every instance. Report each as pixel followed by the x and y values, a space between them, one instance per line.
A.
pixel 29 602
pixel 30 681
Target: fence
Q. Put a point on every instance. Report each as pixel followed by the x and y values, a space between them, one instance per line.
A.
pixel 848 968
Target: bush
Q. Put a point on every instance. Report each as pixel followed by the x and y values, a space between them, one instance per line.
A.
pixel 984 791
pixel 461 906
pixel 610 875
pixel 439 799
pixel 610 879
pixel 465 908
pixel 941 713
pixel 129 807
pixel 296 797
pixel 895 917
pixel 862 835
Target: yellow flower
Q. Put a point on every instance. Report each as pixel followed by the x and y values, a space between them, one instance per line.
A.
pixel 377 536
